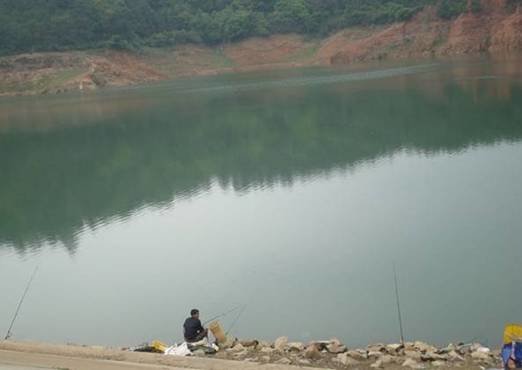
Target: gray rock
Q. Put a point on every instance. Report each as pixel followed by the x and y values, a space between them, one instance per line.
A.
pixel 424 347
pixel 378 347
pixel 412 364
pixel 454 356
pixel 377 364
pixel 387 359
pixel 374 354
pixel 281 343
pixel 263 343
pixel 304 362
pixel 475 346
pixel 241 354
pixel 265 358
pixel 312 352
pixel 432 356
pixel 394 348
pixel 266 350
pixel 464 349
pixel 438 363
pixel 296 346
pixel 450 347
pixel 237 348
pixel 480 356
pixel 321 345
pixel 346 360
pixel 284 361
pixel 358 354
pixel 336 347
pixel 413 355
pixel 249 343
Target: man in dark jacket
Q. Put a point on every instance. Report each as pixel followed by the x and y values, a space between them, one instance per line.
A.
pixel 192 329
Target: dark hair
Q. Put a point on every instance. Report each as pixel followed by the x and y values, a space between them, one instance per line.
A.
pixel 194 311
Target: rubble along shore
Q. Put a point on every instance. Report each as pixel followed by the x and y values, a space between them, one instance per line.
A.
pixel 283 354
pixel 334 354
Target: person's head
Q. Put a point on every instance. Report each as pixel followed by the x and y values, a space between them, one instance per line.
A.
pixel 194 313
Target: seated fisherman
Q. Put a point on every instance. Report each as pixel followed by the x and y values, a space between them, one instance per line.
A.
pixel 192 329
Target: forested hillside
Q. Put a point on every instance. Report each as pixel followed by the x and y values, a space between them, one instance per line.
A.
pixel 28 25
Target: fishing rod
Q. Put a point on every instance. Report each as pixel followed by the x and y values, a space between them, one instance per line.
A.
pixel 224 314
pixel 399 314
pixel 9 332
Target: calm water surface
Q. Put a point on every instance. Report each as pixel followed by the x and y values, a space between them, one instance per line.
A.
pixel 291 192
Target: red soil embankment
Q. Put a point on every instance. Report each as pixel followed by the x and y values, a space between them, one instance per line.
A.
pixel 496 30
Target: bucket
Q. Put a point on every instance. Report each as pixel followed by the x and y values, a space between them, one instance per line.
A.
pixel 218 332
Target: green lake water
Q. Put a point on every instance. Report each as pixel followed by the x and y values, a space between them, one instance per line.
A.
pixel 293 193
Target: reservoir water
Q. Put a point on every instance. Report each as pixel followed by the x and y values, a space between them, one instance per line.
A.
pixel 292 192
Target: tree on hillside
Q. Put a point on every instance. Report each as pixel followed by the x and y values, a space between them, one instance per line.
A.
pixel 26 25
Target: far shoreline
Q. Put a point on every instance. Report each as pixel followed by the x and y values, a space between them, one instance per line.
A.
pixel 425 37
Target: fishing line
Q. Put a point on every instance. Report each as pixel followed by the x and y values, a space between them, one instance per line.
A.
pixel 223 314
pixel 9 332
pixel 399 314
pixel 236 319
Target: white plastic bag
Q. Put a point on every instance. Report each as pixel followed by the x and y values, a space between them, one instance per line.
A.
pixel 181 350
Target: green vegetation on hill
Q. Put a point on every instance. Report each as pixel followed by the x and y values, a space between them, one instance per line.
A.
pixel 28 25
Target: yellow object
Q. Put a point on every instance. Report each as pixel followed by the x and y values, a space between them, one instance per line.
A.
pixel 513 333
pixel 159 346
pixel 216 329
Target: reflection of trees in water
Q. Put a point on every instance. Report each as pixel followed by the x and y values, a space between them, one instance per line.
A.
pixel 58 182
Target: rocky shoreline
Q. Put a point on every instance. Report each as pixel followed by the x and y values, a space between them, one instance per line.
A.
pixel 259 355
pixel 334 354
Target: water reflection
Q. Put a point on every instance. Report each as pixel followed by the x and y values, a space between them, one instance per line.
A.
pixel 71 164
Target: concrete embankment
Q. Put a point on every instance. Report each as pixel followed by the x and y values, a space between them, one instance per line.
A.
pixel 20 356
pixel 278 355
